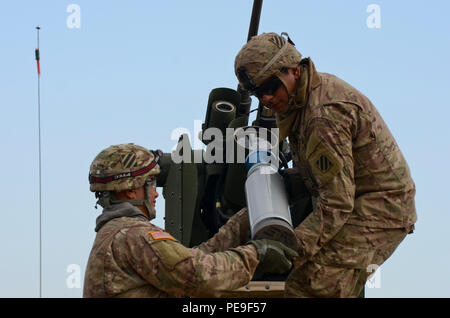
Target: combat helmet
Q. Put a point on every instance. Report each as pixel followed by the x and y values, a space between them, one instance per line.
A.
pixel 123 167
pixel 264 56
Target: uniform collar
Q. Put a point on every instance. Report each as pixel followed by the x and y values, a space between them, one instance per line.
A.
pixel 309 80
pixel 312 81
pixel 117 211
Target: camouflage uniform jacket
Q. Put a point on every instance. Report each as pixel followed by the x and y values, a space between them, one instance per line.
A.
pixel 350 163
pixel 134 258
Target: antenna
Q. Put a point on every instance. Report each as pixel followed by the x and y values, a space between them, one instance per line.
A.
pixel 40 176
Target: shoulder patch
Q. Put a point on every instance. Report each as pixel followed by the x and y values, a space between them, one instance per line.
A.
pixel 170 252
pixel 160 235
pixel 324 162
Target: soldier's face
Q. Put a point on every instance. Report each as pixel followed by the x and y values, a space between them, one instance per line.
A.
pixel 280 98
pixel 153 194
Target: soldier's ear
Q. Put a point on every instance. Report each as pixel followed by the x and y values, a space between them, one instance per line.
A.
pixel 132 194
pixel 126 194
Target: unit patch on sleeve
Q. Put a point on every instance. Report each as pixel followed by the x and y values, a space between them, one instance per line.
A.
pixel 324 162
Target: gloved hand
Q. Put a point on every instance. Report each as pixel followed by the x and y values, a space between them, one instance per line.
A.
pixel 274 257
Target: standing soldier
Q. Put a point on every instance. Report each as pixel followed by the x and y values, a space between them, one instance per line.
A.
pixel 133 258
pixel 348 159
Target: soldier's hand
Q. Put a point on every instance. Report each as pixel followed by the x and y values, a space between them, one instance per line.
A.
pixel 274 257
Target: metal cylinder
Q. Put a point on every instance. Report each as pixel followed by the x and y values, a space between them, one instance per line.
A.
pixel 267 200
pixel 222 113
pixel 221 109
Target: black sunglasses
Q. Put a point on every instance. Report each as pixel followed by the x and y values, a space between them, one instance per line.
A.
pixel 267 88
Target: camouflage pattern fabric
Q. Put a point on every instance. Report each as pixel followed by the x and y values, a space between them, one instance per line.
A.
pixel 260 50
pixel 233 233
pixel 120 162
pixel 341 268
pixel 134 258
pixel 351 163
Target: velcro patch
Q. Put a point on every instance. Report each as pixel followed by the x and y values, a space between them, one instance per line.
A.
pixel 129 161
pixel 325 163
pixel 160 235
pixel 171 253
pixel 277 40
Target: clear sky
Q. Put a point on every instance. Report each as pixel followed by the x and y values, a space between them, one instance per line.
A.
pixel 136 70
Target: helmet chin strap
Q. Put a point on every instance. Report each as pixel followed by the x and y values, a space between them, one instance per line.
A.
pixel 150 209
pixel 109 198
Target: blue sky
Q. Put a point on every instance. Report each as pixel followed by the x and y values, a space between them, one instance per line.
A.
pixel 134 71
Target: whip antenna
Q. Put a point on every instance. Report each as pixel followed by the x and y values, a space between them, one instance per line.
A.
pixel 40 176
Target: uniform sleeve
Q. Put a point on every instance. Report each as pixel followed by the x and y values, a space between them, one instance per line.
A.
pixel 232 234
pixel 179 271
pixel 329 158
pixel 221 271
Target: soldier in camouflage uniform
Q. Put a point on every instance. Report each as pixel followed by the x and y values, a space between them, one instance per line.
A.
pixel 348 159
pixel 133 258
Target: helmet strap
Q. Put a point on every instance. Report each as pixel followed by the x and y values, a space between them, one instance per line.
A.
pixel 273 60
pixel 146 202
pixel 108 198
pixel 104 199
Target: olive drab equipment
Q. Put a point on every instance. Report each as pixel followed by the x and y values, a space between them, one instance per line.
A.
pixel 201 196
